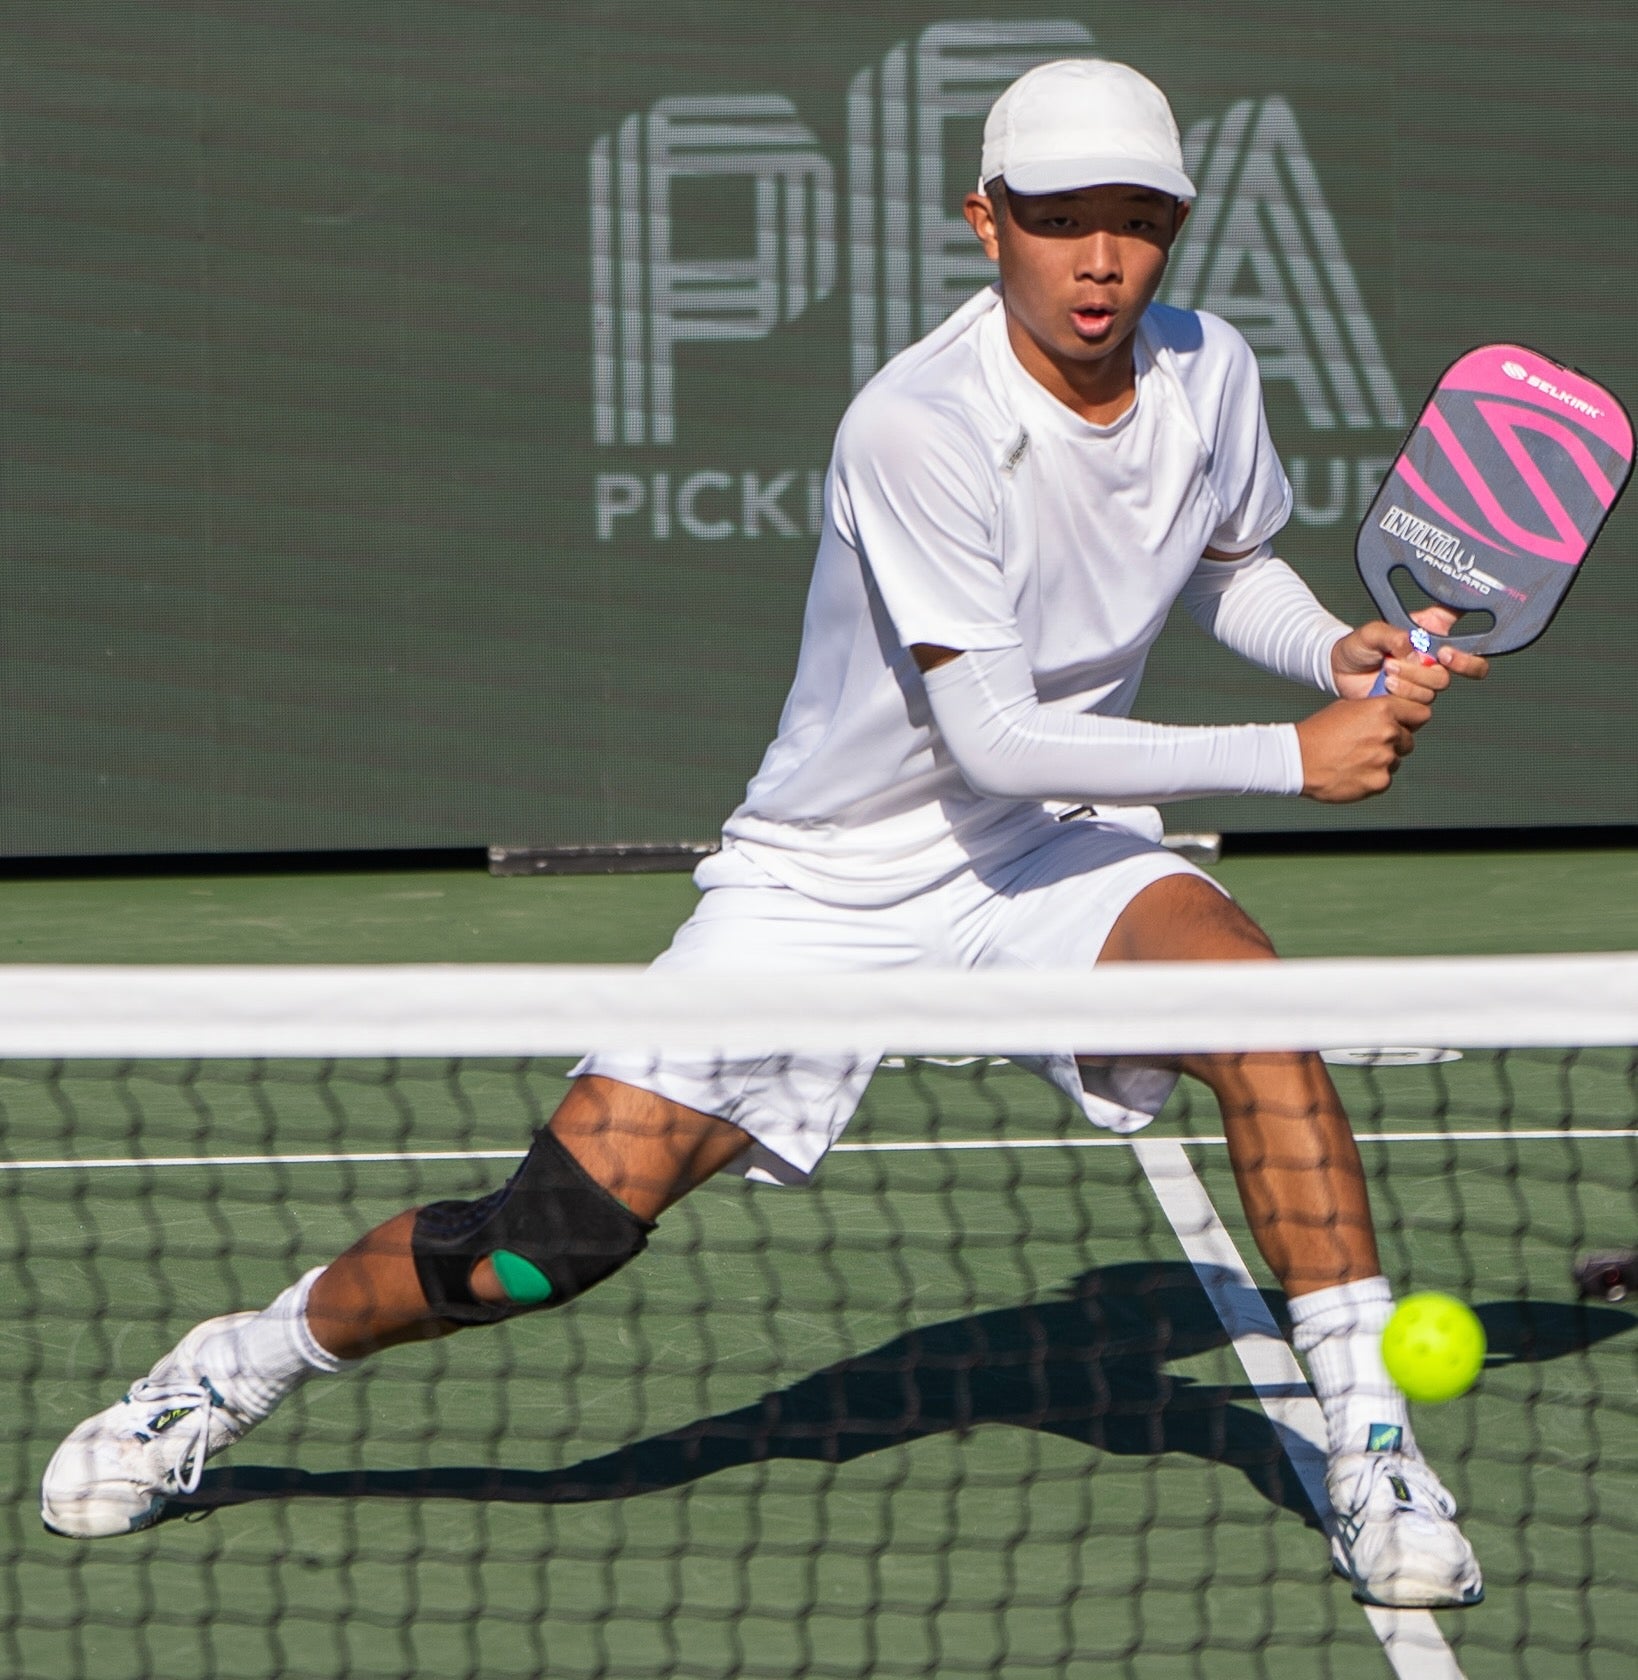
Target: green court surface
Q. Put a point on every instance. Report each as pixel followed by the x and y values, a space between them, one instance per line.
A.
pixel 947 1412
pixel 1378 904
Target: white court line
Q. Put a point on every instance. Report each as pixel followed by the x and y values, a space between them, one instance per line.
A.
pixel 1410 1638
pixel 364 1158
pixel 886 1147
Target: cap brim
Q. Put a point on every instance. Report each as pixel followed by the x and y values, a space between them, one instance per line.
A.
pixel 1056 175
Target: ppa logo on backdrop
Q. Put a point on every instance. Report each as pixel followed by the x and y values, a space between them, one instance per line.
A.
pixel 1261 249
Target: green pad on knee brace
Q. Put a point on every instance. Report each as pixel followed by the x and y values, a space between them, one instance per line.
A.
pixel 524 1283
pixel 551 1232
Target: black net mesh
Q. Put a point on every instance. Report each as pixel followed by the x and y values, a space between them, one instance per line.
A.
pixel 963 1406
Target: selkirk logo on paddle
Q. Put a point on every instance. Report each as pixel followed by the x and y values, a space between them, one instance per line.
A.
pixel 1514 371
pixel 878 225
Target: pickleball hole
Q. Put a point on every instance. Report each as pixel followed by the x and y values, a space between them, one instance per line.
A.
pixel 1413 598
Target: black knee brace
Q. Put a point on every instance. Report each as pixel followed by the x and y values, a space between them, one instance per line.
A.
pixel 551 1231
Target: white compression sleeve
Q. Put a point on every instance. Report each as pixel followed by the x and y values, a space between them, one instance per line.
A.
pixel 1261 609
pixel 1008 745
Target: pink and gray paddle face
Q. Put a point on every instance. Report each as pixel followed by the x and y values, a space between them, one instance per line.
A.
pixel 1496 497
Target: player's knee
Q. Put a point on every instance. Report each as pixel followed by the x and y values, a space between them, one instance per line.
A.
pixel 550 1232
pixel 1238 938
pixel 1184 918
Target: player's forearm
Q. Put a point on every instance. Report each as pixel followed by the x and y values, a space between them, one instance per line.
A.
pixel 1007 745
pixel 1263 611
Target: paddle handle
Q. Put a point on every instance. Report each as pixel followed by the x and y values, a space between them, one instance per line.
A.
pixel 1421 642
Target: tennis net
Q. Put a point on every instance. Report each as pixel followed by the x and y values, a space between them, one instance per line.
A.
pixel 998 1393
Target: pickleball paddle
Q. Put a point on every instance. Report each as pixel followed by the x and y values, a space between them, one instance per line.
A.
pixel 1497 495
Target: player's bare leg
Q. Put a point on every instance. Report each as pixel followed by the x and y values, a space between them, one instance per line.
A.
pixel 1293 1152
pixel 644 1150
pixel 1303 1187
pixel 612 1159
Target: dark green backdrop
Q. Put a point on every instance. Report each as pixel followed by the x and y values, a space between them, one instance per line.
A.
pixel 409 410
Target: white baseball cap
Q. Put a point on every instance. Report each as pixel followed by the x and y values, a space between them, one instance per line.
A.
pixel 1083 122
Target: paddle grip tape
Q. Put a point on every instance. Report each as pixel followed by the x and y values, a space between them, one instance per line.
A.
pixel 551 1231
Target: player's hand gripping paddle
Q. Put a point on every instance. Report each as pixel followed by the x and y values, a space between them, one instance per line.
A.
pixel 1506 478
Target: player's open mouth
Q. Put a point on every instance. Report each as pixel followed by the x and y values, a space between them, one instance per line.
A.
pixel 1093 321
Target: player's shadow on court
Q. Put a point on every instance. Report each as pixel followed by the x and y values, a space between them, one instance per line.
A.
pixel 1092 1367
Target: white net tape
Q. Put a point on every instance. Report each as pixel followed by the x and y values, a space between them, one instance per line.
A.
pixel 419 1010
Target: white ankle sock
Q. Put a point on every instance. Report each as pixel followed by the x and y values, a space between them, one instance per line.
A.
pixel 255 1365
pixel 1339 1332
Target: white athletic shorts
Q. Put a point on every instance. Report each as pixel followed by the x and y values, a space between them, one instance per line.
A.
pixel 1052 907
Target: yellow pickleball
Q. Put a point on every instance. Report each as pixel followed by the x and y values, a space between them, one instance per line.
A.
pixel 1433 1347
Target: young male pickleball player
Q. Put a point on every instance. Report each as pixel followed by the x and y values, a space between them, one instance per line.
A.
pixel 1013 505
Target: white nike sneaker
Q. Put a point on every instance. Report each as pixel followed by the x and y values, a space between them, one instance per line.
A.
pixel 1395 1535
pixel 114 1473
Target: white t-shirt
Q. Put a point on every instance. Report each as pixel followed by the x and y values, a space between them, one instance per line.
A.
pixel 967 508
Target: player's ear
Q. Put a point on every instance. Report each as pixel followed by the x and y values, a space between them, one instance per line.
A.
pixel 983 220
pixel 1180 214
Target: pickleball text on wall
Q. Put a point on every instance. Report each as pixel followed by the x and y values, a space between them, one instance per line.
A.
pixel 882 225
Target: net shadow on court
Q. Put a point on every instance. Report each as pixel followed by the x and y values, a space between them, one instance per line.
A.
pixel 1090 1368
